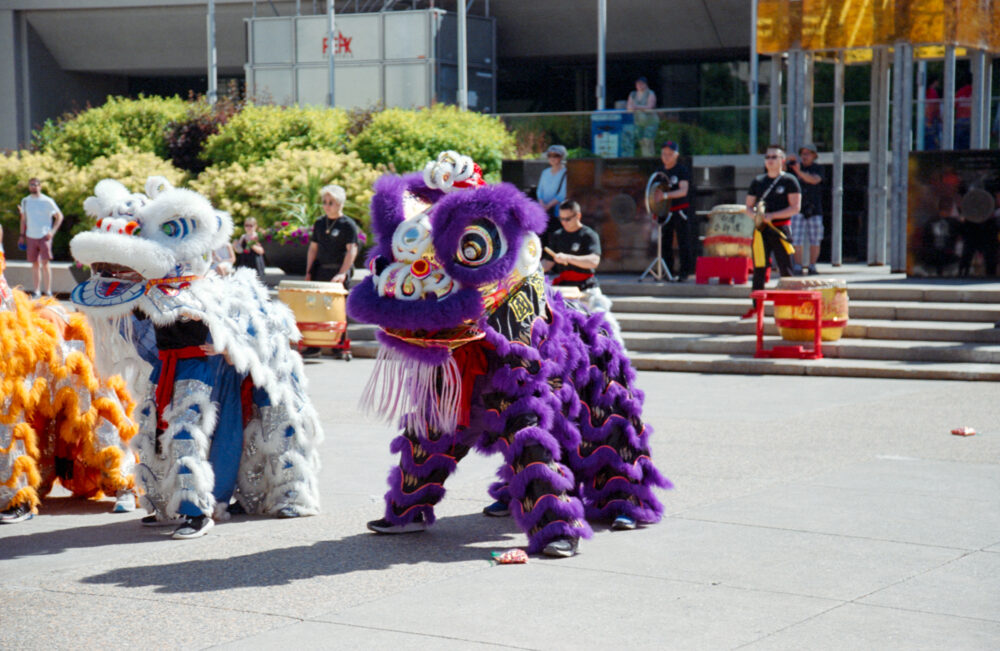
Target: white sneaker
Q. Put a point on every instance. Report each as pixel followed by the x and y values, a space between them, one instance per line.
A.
pixel 124 502
pixel 383 526
pixel 36 294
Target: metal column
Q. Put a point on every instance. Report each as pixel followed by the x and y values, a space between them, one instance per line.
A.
pixel 948 99
pixel 602 35
pixel 837 218
pixel 213 61
pixel 754 81
pixel 795 117
pixel 463 64
pixel 878 149
pixel 774 94
pixel 921 117
pixel 330 48
pixel 902 120
pixel 979 124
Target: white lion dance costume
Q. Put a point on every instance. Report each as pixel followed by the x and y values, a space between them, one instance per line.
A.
pixel 226 414
pixel 58 418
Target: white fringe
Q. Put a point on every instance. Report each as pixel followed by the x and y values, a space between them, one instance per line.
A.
pixel 400 385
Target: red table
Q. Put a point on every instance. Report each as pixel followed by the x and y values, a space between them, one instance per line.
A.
pixel 791 298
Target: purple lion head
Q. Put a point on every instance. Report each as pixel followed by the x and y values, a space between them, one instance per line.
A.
pixel 444 249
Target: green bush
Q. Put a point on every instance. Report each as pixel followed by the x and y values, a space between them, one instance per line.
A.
pixel 69 185
pixel 118 124
pixel 406 140
pixel 285 187
pixel 254 134
pixel 61 180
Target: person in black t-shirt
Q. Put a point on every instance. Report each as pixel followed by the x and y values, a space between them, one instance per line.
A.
pixel 807 225
pixel 333 245
pixel 577 250
pixel 678 181
pixel 780 197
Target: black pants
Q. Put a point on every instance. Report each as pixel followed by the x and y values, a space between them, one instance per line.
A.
pixel 325 273
pixel 773 246
pixel 679 223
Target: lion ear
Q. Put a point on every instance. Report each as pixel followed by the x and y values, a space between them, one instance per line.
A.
pixel 156 185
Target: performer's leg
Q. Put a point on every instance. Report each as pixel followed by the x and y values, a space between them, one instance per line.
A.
pixel 538 485
pixel 417 484
pixel 227 439
pixel 781 255
pixel 613 462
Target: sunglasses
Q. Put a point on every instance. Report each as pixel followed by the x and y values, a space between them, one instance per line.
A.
pixel 567 219
pixel 771 157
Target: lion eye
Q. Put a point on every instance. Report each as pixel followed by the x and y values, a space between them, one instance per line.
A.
pixel 480 244
pixel 177 227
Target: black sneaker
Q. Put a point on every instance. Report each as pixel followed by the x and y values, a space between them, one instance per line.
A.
pixel 154 520
pixel 311 351
pixel 193 527
pixel 17 513
pixel 497 510
pixel 236 509
pixel 384 526
pixel 562 547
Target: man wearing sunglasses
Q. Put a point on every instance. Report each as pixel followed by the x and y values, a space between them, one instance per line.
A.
pixel 772 200
pixel 574 250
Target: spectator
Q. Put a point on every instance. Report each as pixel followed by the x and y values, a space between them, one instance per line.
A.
pixel 642 102
pixel 223 259
pixel 40 219
pixel 963 116
pixel 249 250
pixel 771 201
pixel 677 220
pixel 807 225
pixel 552 188
pixel 932 115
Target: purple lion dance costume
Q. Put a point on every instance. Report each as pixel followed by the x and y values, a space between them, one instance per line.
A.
pixel 477 352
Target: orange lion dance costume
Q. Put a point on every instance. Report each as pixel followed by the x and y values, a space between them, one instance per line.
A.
pixel 58 418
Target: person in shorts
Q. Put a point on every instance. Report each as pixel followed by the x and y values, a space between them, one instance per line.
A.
pixel 807 225
pixel 40 219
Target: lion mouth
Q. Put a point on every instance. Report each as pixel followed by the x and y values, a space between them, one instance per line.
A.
pixel 116 271
pixel 447 338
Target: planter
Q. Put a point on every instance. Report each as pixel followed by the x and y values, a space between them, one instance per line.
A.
pixel 291 258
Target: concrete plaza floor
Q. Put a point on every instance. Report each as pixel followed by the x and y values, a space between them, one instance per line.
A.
pixel 809 512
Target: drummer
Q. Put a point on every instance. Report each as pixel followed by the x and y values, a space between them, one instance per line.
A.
pixel 678 178
pixel 574 250
pixel 333 245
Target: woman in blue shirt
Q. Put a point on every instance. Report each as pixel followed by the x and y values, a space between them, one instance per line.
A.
pixel 552 188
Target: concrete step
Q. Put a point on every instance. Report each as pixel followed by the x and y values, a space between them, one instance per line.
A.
pixel 698 363
pixel 945 291
pixel 859 309
pixel 963 332
pixel 870 349
pixel 747 365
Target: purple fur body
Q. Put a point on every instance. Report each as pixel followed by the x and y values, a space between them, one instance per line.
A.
pixel 557 397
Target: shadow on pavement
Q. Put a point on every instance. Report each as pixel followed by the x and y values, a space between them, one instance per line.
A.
pixel 450 540
pixel 41 543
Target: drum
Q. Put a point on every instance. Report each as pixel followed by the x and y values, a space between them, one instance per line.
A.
pixel 319 308
pixel 569 292
pixel 794 322
pixel 730 232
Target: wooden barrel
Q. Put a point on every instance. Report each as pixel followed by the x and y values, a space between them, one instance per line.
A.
pixel 569 292
pixel 795 323
pixel 730 232
pixel 319 308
